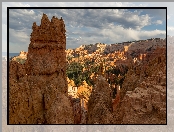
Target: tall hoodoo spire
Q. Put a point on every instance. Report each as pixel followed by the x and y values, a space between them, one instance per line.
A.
pixel 49 31
pixel 41 92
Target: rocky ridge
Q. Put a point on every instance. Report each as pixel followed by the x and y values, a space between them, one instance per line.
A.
pixel 144 101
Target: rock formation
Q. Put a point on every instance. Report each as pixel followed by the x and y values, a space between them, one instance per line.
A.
pixel 38 88
pixel 21 58
pixel 117 99
pixel 75 103
pixel 72 89
pixel 100 103
pixel 84 92
pixel 145 101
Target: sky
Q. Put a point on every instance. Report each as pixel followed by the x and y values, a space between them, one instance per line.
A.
pixel 88 26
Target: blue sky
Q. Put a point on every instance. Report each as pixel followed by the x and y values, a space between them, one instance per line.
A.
pixel 87 26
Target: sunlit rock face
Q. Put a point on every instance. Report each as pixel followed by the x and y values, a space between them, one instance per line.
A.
pixel 38 88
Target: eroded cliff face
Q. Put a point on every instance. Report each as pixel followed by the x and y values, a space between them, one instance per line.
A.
pixel 145 100
pixel 38 88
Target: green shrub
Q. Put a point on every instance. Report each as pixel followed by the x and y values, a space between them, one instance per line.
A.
pixel 20 60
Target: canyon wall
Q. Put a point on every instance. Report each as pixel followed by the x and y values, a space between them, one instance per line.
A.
pixel 144 92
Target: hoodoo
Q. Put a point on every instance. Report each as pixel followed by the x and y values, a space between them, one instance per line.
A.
pixel 40 95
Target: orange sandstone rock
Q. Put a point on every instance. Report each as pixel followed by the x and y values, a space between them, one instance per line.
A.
pixel 38 88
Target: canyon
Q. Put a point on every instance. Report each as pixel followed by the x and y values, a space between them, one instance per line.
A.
pixel 122 83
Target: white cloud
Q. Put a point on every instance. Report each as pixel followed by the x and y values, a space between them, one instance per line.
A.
pixel 99 27
pixel 115 35
pixel 101 18
pixel 120 34
pixel 18 40
pixel 158 22
pixel 20 36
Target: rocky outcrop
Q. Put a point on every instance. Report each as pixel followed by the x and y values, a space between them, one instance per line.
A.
pixel 154 61
pixel 46 52
pixel 21 58
pixel 72 89
pixel 23 54
pixel 145 101
pixel 84 92
pixel 117 99
pixel 100 103
pixel 75 103
pixel 38 88
pixel 145 105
